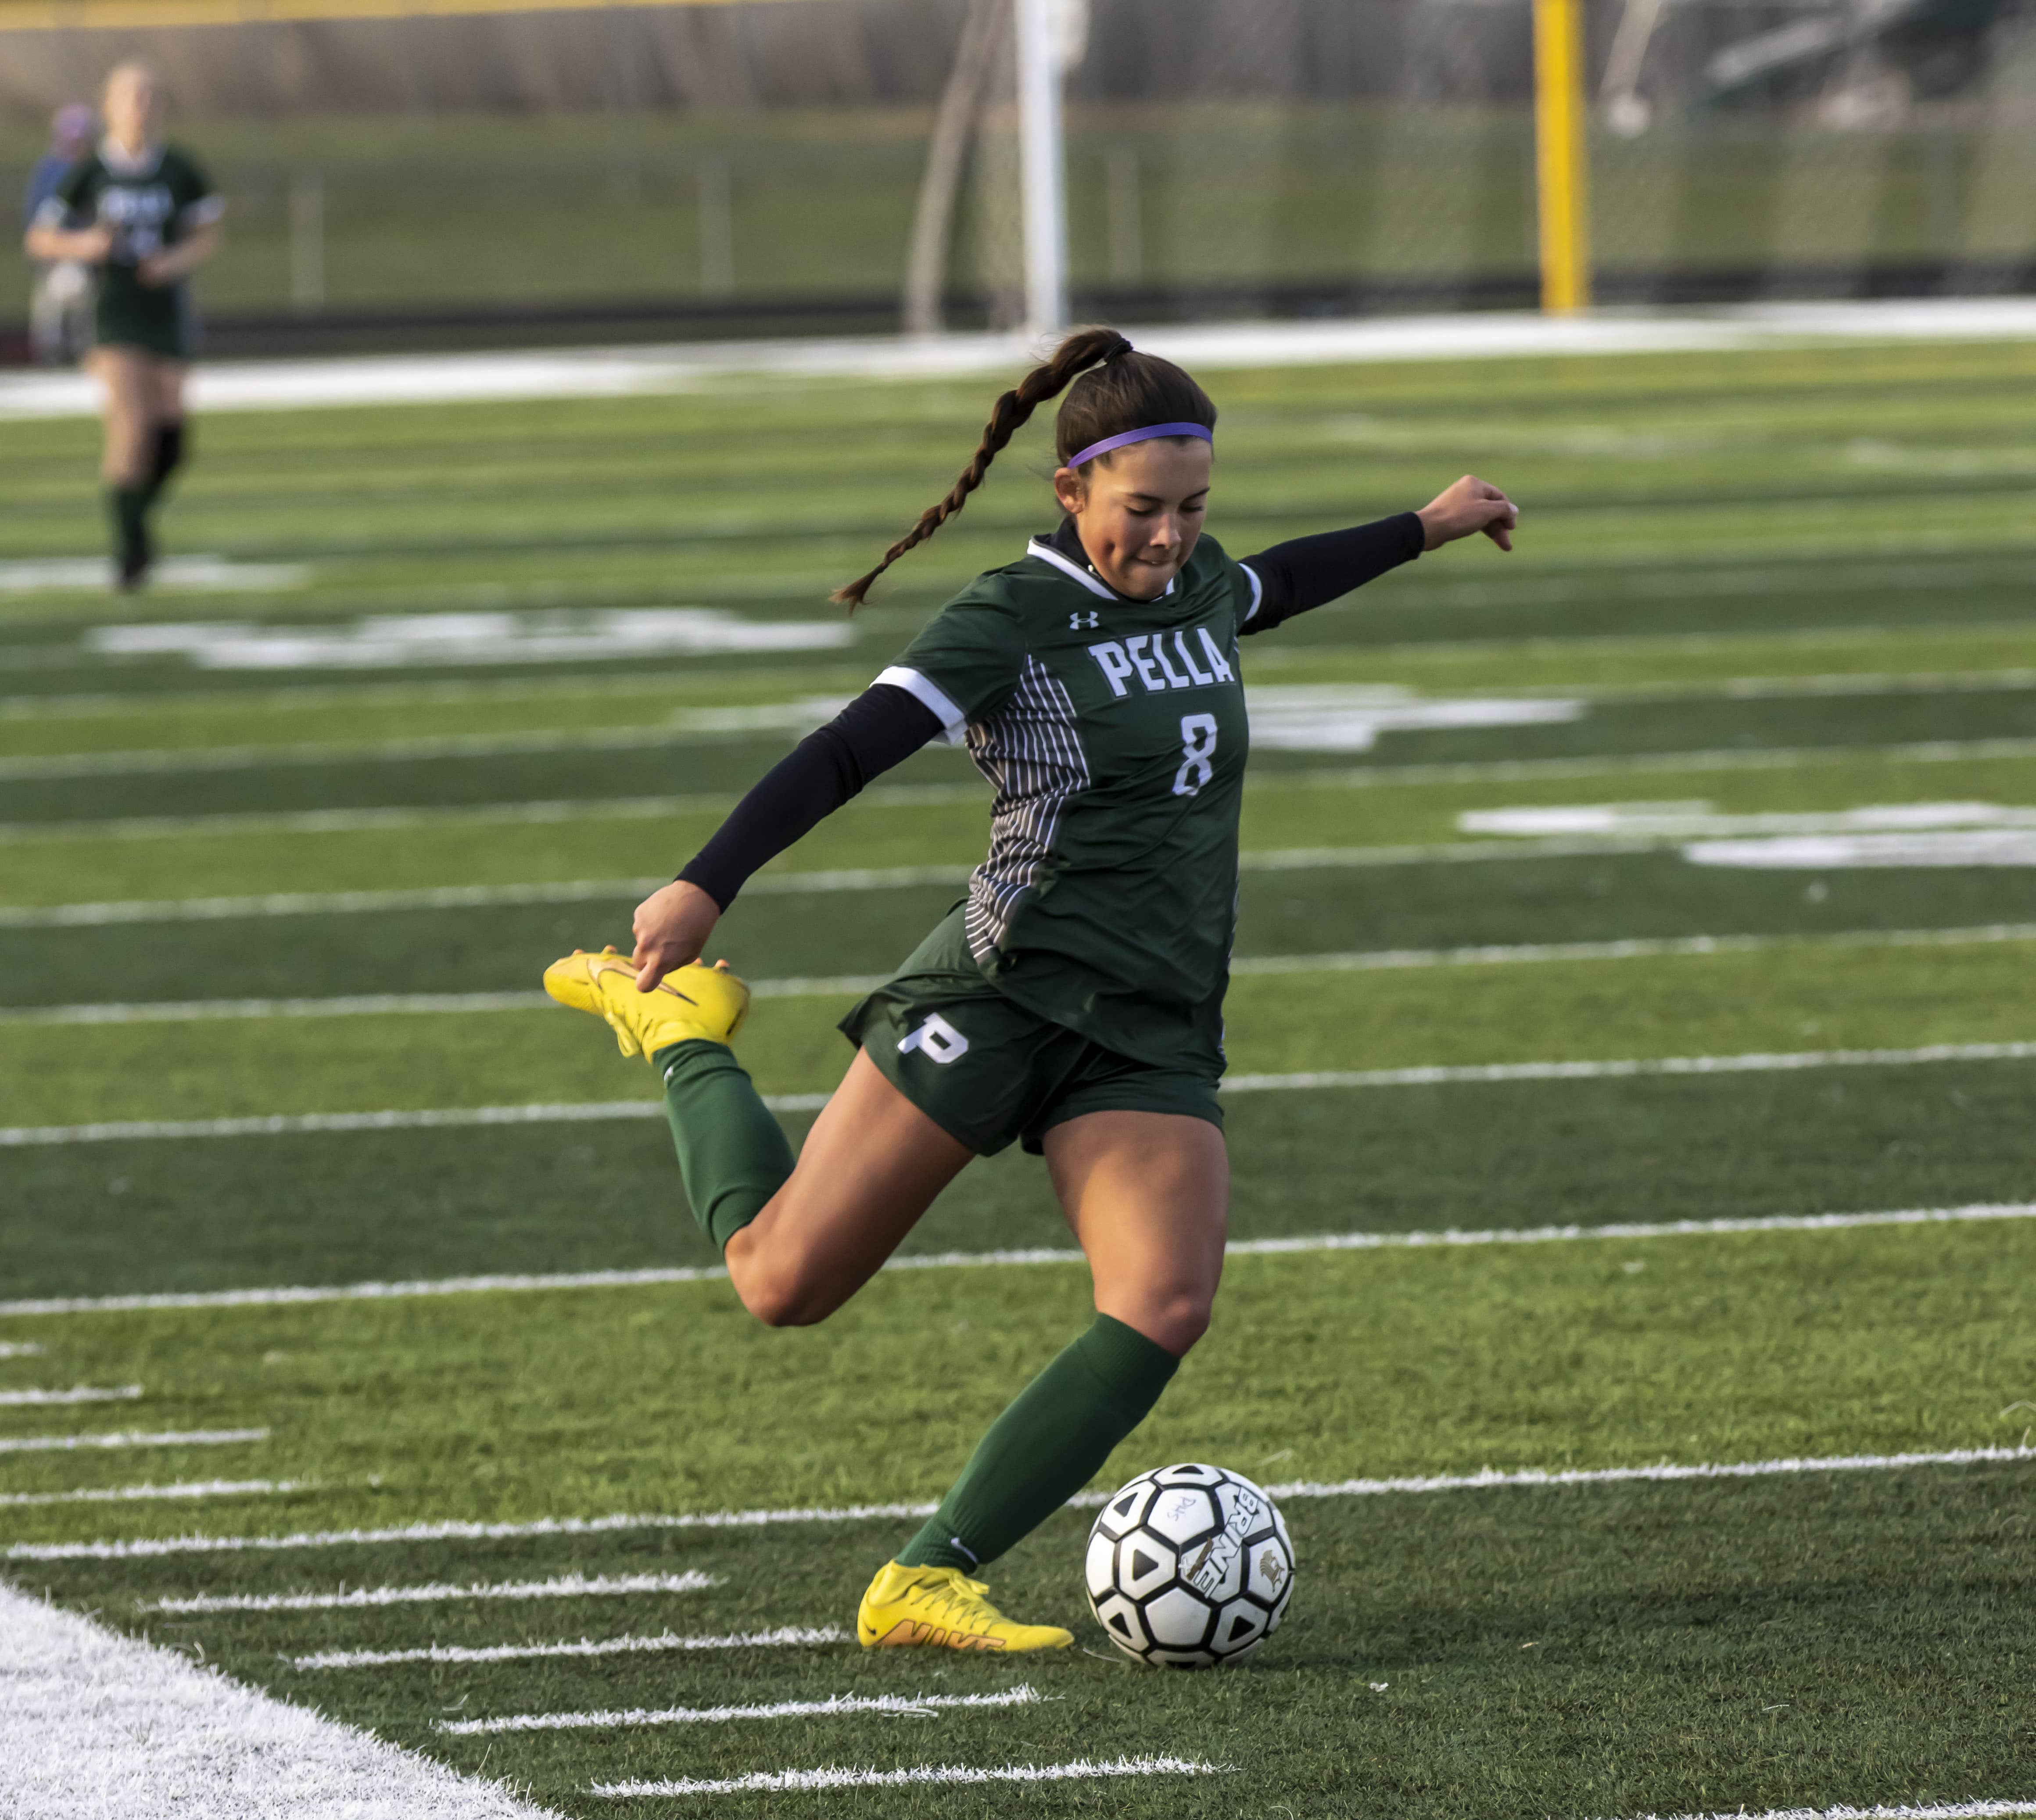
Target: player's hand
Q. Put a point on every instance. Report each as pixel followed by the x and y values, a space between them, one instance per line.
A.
pixel 1471 505
pixel 155 271
pixel 672 926
pixel 94 244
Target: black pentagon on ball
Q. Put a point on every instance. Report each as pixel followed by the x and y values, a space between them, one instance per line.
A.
pixel 1189 1567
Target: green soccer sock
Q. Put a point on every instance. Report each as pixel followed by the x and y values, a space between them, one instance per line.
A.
pixel 1045 1447
pixel 732 1155
pixel 128 508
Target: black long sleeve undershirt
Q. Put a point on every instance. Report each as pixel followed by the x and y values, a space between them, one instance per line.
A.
pixel 880 728
pixel 885 725
pixel 1309 572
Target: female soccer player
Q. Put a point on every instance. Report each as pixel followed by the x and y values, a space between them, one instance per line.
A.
pixel 1073 1001
pixel 145 215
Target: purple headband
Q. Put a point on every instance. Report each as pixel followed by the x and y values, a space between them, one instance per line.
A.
pixel 1144 435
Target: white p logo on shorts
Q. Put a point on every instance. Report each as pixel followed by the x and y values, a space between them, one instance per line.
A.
pixel 938 1038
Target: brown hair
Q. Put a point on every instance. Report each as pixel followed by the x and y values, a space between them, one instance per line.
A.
pixel 1113 388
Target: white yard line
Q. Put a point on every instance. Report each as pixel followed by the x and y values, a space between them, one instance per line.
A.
pixel 77 1393
pixel 19 1349
pixel 482 897
pixel 765 884
pixel 841 1705
pixel 910 796
pixel 1487 1479
pixel 1980 1212
pixel 286 1124
pixel 132 1493
pixel 92 1724
pixel 1368 960
pixel 352 381
pixel 789 1781
pixel 787 1637
pixel 1665 1472
pixel 682 729
pixel 485 815
pixel 77 1443
pixel 364 1598
pixel 1929 1811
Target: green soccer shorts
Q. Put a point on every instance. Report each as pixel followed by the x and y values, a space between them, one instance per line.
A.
pixel 987 1071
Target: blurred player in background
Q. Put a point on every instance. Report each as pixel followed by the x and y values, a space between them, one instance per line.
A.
pixel 59 304
pixel 145 215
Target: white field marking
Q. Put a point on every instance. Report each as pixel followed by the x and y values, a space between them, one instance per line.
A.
pixel 19 1349
pixel 95 1724
pixel 979 1260
pixel 385 1005
pixel 453 1530
pixel 361 1598
pixel 411 641
pixel 144 1494
pixel 458 1531
pixel 789 1781
pixel 208 759
pixel 1929 1811
pixel 1371 960
pixel 282 1124
pixel 767 884
pixel 352 382
pixel 1532 1478
pixel 1857 853
pixel 1332 716
pixel 1699 821
pixel 475 897
pixel 286 1124
pixel 841 1705
pixel 785 1637
pixel 77 1393
pixel 215 575
pixel 483 814
pixel 78 1443
pixel 909 796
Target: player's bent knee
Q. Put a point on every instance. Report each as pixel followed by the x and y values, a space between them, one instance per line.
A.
pixel 779 1297
pixel 1175 1320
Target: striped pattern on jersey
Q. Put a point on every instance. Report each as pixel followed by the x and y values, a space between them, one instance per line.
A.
pixel 1030 751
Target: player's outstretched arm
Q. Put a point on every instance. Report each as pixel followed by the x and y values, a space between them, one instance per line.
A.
pixel 1469 506
pixel 882 727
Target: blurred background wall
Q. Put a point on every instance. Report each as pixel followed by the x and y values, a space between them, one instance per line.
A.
pixel 756 168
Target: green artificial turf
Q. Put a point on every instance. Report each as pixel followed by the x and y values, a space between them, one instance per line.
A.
pixel 246 1212
pixel 1807 562
pixel 1796 996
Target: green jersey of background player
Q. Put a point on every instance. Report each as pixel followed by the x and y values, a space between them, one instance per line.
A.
pixel 1073 1001
pixel 148 203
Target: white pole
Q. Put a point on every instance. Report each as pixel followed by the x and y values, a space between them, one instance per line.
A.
pixel 1042 166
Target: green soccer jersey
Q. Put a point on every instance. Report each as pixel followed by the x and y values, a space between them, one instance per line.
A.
pixel 150 202
pixel 1114 732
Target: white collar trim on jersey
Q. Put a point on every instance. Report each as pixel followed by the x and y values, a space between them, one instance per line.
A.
pixel 1046 553
pixel 122 163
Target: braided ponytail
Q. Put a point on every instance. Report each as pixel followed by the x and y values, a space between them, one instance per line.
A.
pixel 1084 349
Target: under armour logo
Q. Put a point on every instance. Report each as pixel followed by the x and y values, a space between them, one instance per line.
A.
pixel 1077 622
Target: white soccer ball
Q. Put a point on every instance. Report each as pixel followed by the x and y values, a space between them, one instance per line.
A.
pixel 1189 1567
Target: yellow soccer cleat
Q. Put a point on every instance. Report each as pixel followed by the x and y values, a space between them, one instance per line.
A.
pixel 941 1608
pixel 704 1003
